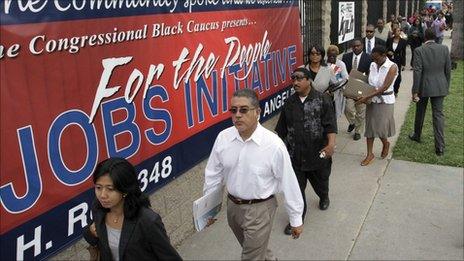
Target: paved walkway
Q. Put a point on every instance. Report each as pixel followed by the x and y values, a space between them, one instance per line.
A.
pixel 389 210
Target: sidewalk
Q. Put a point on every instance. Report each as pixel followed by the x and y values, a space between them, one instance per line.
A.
pixel 390 209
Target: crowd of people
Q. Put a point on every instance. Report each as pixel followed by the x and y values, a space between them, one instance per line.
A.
pixel 255 164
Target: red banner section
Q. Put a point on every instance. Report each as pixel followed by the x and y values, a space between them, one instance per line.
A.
pixel 76 92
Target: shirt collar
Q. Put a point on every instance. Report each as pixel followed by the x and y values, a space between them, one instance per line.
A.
pixel 257 135
pixel 310 95
pixel 387 62
pixel 358 55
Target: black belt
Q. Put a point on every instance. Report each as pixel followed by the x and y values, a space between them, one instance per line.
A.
pixel 247 201
pixel 387 93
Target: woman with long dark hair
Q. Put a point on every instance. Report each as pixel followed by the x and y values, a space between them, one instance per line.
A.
pixel 124 227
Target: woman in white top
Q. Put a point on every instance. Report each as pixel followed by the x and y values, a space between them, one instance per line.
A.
pixel 379 113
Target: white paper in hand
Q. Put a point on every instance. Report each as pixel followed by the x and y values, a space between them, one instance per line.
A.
pixel 207 207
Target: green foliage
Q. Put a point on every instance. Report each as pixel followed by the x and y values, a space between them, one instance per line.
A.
pixel 424 152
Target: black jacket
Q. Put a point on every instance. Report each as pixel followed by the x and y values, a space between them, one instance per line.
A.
pixel 399 54
pixel 304 127
pixel 377 42
pixel 363 64
pixel 142 238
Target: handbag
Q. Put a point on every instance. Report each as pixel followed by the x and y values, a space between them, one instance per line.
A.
pixel 94 253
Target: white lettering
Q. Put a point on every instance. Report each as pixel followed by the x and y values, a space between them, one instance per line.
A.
pixel 197 63
pixel 189 4
pixel 245 55
pixel 154 70
pixel 108 66
pixel 59 7
pixel 72 218
pixel 36 6
pixel 135 75
pixel 102 92
pixel 30 4
pixel 11 51
pixel 32 44
pixel 35 243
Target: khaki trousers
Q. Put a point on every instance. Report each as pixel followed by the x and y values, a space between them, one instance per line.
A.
pixel 252 225
pixel 355 114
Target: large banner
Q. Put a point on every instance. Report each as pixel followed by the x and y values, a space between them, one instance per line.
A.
pixel 147 80
pixel 345 21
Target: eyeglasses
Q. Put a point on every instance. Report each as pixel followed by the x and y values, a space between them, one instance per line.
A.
pixel 297 77
pixel 242 110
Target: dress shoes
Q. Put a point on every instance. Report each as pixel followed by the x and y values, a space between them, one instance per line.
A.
pixel 288 230
pixel 350 128
pixel 357 136
pixel 324 203
pixel 414 137
pixel 440 152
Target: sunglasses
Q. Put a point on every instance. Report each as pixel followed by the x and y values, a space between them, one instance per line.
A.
pixel 369 31
pixel 297 77
pixel 242 110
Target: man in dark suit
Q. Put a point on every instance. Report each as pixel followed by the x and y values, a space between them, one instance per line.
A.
pixel 432 74
pixel 355 113
pixel 370 41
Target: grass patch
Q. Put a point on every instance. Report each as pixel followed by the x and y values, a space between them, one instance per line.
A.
pixel 424 152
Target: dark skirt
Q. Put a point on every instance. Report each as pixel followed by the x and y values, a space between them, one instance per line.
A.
pixel 379 120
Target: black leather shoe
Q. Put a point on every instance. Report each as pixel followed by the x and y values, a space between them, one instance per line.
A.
pixel 439 152
pixel 414 137
pixel 324 203
pixel 357 136
pixel 288 230
pixel 350 127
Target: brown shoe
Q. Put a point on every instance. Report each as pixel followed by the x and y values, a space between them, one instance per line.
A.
pixel 385 149
pixel 369 158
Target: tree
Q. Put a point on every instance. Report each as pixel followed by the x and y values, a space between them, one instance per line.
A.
pixel 457 44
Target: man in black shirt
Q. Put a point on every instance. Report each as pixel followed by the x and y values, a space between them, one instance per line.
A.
pixel 308 127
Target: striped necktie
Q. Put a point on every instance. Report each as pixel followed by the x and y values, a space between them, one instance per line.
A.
pixel 355 63
pixel 369 47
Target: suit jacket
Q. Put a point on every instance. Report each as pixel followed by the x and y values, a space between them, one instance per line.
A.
pixel 363 64
pixel 377 41
pixel 432 70
pixel 399 54
pixel 142 238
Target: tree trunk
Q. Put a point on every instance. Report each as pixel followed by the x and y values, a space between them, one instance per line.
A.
pixel 457 43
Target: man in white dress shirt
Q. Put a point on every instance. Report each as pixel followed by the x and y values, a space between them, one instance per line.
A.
pixel 254 165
